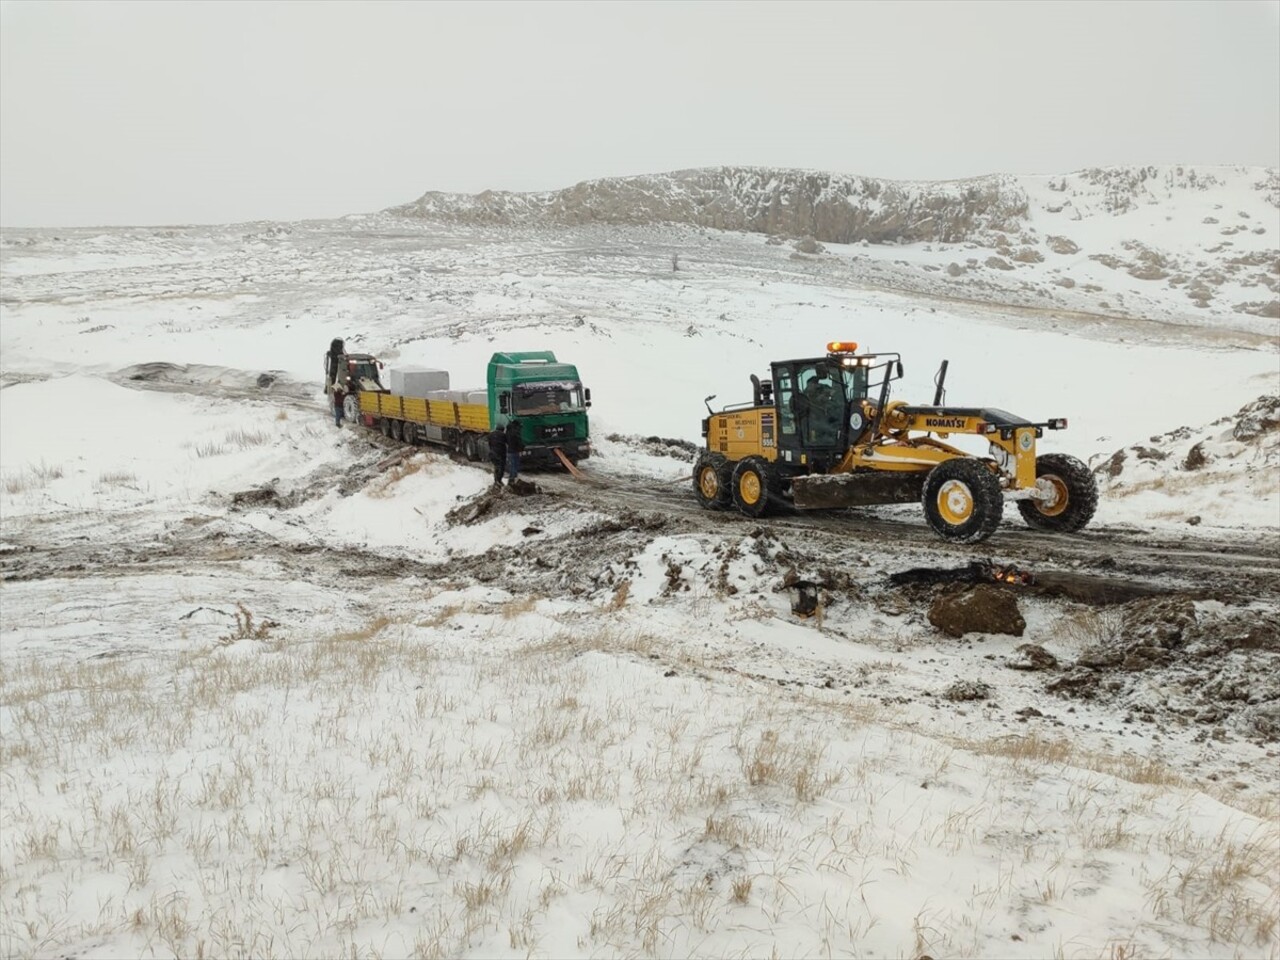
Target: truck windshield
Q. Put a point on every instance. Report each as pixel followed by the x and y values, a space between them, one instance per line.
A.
pixel 364 370
pixel 559 396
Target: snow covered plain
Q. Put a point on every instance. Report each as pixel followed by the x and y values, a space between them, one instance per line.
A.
pixel 263 696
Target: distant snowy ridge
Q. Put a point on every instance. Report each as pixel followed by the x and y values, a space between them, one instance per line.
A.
pixel 842 208
pixel 1192 229
pixel 832 207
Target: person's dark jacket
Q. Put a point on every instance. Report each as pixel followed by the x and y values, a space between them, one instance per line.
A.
pixel 515 442
pixel 498 445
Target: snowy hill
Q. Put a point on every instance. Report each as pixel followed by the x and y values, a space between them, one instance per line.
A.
pixel 1204 235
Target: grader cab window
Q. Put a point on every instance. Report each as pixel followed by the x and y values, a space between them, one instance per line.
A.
pixel 785 400
pixel 855 383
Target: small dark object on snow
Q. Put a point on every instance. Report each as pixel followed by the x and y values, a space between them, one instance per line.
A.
pixel 963 690
pixel 523 488
pixel 1032 656
pixel 806 602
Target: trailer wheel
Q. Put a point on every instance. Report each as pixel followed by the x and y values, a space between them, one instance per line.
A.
pixel 1075 495
pixel 395 430
pixel 409 432
pixel 469 448
pixel 386 427
pixel 752 485
pixel 962 500
pixel 712 480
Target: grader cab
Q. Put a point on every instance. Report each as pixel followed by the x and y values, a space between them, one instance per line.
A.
pixel 822 433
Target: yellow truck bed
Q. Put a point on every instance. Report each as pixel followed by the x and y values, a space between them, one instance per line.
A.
pixel 438 413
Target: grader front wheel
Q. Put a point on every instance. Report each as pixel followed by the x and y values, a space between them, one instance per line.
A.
pixel 962 500
pixel 712 478
pixel 1073 495
pixel 752 484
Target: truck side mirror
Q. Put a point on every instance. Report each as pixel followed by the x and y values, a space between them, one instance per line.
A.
pixel 587 396
pixel 504 403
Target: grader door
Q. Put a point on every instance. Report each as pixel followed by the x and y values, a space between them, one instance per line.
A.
pixel 813 401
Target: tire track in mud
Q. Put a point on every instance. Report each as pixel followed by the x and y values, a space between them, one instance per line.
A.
pixel 1237 567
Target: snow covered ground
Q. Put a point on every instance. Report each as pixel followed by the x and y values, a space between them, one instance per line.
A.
pixel 264 694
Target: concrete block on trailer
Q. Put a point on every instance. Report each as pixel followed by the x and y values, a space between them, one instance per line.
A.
pixel 478 396
pixel 417 381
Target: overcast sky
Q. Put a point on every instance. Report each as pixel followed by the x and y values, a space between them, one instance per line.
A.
pixel 150 113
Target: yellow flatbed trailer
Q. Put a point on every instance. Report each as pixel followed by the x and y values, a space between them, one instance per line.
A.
pixel 448 423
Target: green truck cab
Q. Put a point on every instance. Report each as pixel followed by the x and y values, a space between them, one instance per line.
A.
pixel 547 398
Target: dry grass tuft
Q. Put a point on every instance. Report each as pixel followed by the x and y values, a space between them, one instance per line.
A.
pixel 117 478
pixel 242 439
pixel 367 632
pixel 32 478
pixel 384 486
pixel 246 628
pixel 1088 626
pixel 619 598
pixel 517 606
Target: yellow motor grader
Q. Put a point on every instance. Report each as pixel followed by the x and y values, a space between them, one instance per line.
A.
pixel 822 433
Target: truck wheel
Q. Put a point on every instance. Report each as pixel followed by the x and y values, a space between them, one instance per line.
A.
pixel 409 432
pixel 712 480
pixel 386 427
pixel 351 408
pixel 962 500
pixel 469 448
pixel 1075 495
pixel 751 485
pixel 395 430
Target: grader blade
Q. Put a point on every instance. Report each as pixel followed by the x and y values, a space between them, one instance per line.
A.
pixel 856 490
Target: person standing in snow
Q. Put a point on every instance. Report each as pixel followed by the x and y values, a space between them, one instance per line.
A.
pixel 498 453
pixel 333 378
pixel 515 443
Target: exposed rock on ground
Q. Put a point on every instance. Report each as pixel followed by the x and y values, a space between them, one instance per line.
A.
pixel 983 608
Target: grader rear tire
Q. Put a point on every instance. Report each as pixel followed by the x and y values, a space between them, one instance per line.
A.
pixel 752 485
pixel 1075 500
pixel 962 500
pixel 712 480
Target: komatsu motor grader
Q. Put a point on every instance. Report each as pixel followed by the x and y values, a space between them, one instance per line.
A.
pixel 823 433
